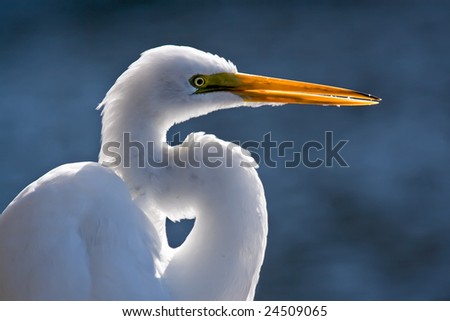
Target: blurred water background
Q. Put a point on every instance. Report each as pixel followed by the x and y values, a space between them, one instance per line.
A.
pixel 377 230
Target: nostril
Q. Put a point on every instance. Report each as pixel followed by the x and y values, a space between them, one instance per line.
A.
pixel 177 232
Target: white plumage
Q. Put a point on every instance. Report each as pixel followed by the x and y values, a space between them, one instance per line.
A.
pixel 97 230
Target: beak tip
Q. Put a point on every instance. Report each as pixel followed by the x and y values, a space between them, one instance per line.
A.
pixel 377 99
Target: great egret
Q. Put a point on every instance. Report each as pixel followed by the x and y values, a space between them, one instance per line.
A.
pixel 97 230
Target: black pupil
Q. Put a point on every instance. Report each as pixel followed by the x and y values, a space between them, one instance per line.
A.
pixel 199 81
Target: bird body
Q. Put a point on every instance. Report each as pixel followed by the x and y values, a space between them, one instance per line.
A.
pixel 106 247
pixel 58 242
pixel 96 231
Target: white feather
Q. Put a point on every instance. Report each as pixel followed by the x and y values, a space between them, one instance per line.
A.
pixel 84 231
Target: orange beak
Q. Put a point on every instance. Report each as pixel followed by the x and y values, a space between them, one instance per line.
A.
pixel 262 89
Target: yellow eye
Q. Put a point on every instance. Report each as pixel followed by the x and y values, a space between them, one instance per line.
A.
pixel 198 81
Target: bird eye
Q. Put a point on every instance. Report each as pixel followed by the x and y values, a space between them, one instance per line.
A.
pixel 198 81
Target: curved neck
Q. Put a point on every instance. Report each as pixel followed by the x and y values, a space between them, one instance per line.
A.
pixel 128 130
pixel 222 256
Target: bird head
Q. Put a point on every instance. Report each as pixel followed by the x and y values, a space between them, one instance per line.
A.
pixel 171 84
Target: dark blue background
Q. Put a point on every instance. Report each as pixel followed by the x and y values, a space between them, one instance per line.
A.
pixel 379 229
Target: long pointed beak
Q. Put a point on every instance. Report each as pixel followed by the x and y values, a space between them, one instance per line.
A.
pixel 274 90
pixel 253 88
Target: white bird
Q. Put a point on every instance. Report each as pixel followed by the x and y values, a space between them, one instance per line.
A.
pixel 96 231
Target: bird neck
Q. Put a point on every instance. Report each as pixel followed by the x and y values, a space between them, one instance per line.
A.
pixel 222 256
pixel 220 260
pixel 128 132
pixel 133 139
